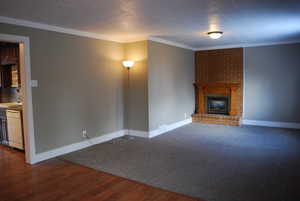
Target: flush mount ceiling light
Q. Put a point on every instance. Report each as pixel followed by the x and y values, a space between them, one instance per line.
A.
pixel 215 34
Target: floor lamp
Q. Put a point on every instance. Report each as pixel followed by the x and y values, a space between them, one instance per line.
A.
pixel 128 64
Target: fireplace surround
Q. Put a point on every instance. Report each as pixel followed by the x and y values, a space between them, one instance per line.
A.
pixel 219 86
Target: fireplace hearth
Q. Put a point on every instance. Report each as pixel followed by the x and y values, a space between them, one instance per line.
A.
pixel 216 104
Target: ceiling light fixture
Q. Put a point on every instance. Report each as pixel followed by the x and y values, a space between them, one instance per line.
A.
pixel 215 34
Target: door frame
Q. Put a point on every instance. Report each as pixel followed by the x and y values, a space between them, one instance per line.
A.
pixel 26 91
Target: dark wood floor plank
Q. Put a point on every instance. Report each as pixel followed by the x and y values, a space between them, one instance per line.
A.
pixel 57 180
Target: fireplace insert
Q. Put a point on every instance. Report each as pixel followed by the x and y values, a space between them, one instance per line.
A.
pixel 217 104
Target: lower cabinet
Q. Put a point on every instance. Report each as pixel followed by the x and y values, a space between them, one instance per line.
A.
pixel 3 127
pixel 14 129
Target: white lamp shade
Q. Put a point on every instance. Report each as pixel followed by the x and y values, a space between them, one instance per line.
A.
pixel 128 63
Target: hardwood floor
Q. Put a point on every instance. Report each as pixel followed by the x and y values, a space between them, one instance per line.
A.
pixel 63 181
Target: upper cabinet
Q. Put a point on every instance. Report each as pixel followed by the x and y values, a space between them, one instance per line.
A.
pixel 15 81
pixel 6 78
pixel 9 54
pixel 9 65
pixel 9 76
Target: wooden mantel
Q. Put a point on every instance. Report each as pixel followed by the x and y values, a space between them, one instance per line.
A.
pixel 219 72
pixel 202 89
pixel 217 84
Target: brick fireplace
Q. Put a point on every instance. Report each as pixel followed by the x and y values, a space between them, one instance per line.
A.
pixel 219 86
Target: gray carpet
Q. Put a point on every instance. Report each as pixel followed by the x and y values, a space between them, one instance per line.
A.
pixel 214 163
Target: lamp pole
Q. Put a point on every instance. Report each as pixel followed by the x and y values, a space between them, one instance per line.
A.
pixel 128 100
pixel 128 64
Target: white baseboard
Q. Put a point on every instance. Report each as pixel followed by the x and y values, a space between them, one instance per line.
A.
pixel 76 146
pixel 90 142
pixel 137 133
pixel 159 131
pixel 169 127
pixel 272 124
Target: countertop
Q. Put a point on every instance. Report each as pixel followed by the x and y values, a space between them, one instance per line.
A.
pixel 11 106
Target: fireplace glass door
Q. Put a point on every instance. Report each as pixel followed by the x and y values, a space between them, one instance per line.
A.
pixel 217 104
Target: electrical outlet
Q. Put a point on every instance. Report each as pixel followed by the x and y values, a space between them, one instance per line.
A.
pixel 34 83
pixel 84 134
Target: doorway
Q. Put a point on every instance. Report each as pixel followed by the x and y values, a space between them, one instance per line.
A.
pixel 19 95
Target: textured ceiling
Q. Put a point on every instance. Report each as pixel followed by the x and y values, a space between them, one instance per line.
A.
pixel 182 21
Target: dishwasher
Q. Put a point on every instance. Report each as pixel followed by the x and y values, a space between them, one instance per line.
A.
pixel 14 129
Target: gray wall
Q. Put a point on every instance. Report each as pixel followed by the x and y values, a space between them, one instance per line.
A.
pixel 80 86
pixel 136 100
pixel 272 80
pixel 170 84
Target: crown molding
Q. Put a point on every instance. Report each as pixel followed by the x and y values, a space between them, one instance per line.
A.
pixel 26 23
pixel 36 25
pixel 168 42
pixel 242 45
pixel 136 40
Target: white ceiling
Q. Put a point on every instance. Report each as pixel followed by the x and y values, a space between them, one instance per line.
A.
pixel 181 21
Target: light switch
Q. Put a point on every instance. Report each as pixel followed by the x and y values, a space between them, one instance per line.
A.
pixel 34 83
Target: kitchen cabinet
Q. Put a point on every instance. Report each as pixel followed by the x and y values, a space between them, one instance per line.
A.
pixel 5 76
pixel 9 65
pixel 14 129
pixel 15 76
pixel 3 127
pixel 9 76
